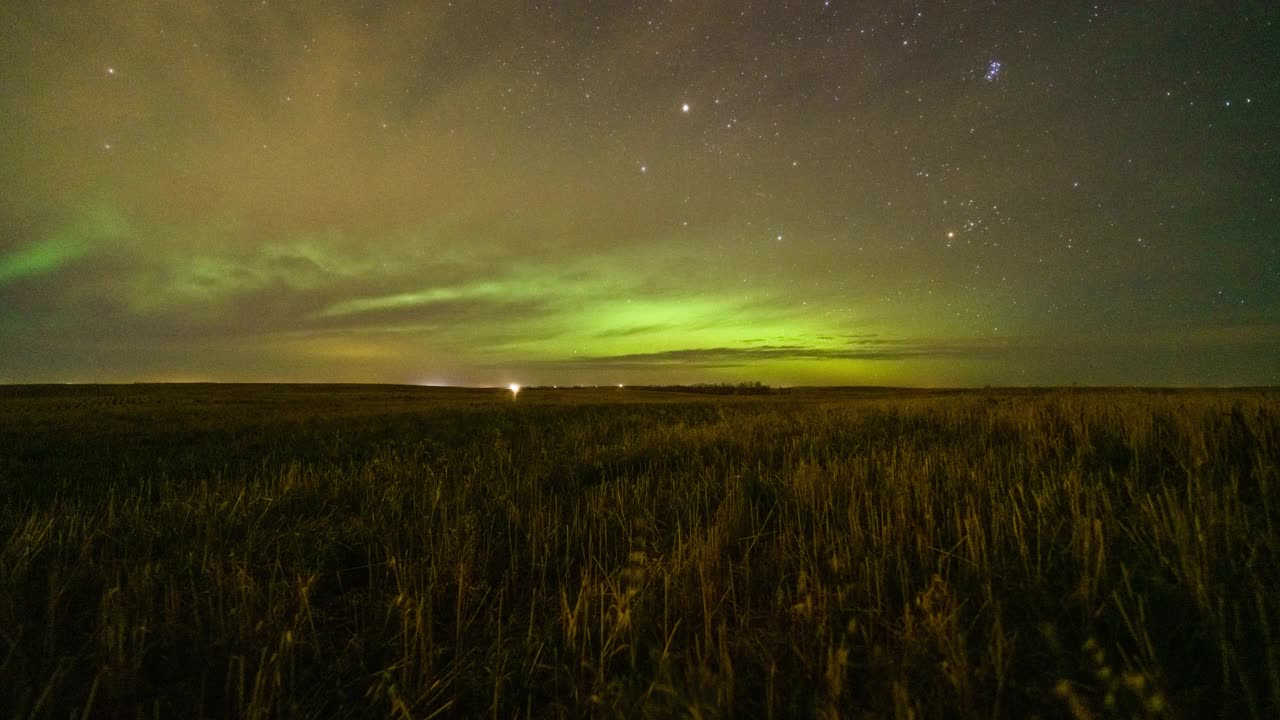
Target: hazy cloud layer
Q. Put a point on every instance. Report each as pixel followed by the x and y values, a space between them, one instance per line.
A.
pixel 509 191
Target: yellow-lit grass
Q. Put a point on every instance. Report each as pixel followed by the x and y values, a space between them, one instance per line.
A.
pixel 1077 554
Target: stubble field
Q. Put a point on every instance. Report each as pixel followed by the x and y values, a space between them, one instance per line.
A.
pixel 376 551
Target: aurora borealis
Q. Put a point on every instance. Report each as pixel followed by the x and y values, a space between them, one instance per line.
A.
pixel 916 193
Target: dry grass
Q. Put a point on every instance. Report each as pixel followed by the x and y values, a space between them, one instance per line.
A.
pixel 261 551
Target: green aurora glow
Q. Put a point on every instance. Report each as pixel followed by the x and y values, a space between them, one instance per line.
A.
pixel 489 193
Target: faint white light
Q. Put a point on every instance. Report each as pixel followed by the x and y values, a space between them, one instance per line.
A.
pixel 684 108
pixel 619 386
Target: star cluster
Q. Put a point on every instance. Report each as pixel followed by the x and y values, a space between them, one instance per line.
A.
pixel 581 192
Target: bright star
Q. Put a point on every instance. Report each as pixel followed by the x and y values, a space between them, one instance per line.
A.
pixel 684 108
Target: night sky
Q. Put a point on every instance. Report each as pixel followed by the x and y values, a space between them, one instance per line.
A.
pixel 914 193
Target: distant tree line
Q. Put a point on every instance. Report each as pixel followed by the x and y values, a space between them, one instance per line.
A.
pixel 754 387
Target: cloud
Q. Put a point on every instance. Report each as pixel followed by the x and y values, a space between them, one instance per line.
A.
pixel 632 331
pixel 721 357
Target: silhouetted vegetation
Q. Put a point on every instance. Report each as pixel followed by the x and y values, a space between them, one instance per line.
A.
pixel 310 551
pixel 743 388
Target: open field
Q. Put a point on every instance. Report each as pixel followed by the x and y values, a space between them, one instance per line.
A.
pixel 364 551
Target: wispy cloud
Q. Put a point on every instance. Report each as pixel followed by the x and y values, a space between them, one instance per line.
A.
pixel 873 349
